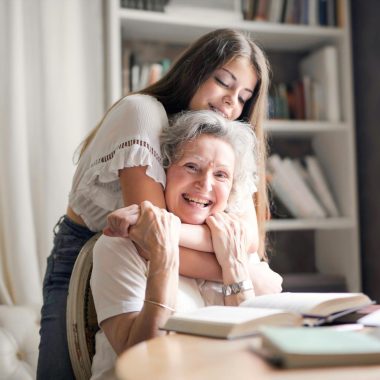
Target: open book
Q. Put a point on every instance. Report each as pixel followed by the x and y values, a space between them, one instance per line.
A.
pixel 282 309
pixel 323 306
pixel 304 347
pixel 229 321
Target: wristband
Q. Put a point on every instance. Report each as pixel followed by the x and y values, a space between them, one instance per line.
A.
pixel 237 287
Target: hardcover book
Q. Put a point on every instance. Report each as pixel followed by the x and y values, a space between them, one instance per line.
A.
pixel 323 306
pixel 229 322
pixel 283 309
pixel 322 66
pixel 299 347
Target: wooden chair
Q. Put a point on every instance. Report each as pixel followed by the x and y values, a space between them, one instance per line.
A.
pixel 81 321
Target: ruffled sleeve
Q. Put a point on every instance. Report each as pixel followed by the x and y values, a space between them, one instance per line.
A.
pixel 128 137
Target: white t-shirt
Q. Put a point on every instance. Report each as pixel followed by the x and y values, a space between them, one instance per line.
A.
pixel 118 285
pixel 128 137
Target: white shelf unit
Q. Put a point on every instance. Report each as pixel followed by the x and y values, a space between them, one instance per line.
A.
pixel 336 239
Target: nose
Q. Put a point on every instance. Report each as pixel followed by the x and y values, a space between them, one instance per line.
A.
pixel 205 182
pixel 231 99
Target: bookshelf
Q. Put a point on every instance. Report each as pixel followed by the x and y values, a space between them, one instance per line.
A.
pixel 335 240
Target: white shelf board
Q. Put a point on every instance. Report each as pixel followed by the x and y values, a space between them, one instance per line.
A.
pixel 157 26
pixel 310 224
pixel 303 127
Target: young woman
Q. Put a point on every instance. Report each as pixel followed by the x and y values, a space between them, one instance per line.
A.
pixel 210 169
pixel 224 71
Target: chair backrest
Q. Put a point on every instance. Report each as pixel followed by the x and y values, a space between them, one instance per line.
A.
pixel 81 321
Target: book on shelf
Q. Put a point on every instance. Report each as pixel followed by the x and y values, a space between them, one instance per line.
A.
pixel 278 99
pixel 296 100
pixel 291 189
pixel 247 9
pixel 229 322
pixel 223 10
pixel 340 12
pixel 303 12
pixel 319 185
pixel 322 11
pixel 291 12
pixel 261 13
pixel 332 13
pixel 316 308
pixel 146 5
pixel 275 11
pixel 322 67
pixel 305 193
pixel 312 12
pixel 307 89
pixel 301 100
pixel 137 75
pixel 312 174
pixel 299 347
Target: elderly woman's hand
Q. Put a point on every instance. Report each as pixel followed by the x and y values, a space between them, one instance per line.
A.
pixel 229 239
pixel 119 221
pixel 157 233
pixel 265 280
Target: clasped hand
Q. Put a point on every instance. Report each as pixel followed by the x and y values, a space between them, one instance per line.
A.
pixel 230 242
pixel 153 229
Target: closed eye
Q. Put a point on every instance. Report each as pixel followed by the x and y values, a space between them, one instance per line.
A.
pixel 221 82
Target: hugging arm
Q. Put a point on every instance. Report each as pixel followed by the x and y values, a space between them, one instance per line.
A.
pixel 193 262
pixel 145 188
pixel 157 233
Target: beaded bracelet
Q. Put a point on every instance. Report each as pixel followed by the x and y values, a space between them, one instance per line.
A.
pixel 160 304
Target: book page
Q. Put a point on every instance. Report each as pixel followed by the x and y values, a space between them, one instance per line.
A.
pixel 223 314
pixel 309 303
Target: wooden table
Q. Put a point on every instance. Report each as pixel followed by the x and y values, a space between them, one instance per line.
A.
pixel 182 357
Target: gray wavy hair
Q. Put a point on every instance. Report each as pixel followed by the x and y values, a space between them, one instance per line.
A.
pixel 187 126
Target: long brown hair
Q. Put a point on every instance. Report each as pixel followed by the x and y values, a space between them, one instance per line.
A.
pixel 193 67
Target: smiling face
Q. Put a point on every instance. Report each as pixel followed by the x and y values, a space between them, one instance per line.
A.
pixel 199 183
pixel 227 89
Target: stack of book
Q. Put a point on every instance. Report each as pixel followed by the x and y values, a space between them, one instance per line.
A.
pixel 222 10
pixel 139 73
pixel 283 309
pixel 315 95
pixel 306 12
pixel 146 5
pixel 301 187
pixel 295 330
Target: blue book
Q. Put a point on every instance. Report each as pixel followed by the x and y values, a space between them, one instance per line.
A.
pixel 322 12
pixel 303 347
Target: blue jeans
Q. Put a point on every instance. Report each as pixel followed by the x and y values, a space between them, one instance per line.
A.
pixel 54 360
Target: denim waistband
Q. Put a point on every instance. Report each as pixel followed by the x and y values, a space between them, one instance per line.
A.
pixel 65 223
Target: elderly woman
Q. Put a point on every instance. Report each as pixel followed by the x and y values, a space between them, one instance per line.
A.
pixel 210 167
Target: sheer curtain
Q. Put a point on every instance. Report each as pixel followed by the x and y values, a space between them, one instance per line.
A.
pixel 51 95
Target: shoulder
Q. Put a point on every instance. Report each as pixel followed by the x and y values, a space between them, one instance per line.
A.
pixel 111 252
pixel 140 103
pixel 141 113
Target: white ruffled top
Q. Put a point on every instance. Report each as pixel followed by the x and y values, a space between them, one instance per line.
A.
pixel 128 137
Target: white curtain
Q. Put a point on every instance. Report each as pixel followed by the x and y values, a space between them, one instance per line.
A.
pixel 51 95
